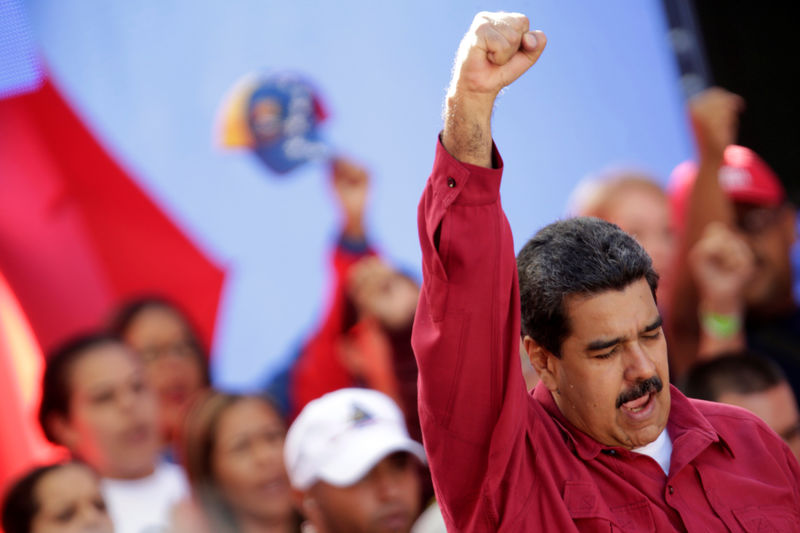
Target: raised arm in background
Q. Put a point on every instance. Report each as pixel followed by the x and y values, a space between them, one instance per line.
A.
pixel 715 120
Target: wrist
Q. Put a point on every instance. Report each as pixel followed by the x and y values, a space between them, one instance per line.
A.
pixel 478 104
pixel 710 159
pixel 722 303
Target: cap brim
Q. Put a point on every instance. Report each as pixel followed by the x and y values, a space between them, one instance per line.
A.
pixel 357 454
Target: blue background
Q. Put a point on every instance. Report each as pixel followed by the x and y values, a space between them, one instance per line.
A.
pixel 148 78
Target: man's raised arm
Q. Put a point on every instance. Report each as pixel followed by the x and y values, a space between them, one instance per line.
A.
pixel 472 398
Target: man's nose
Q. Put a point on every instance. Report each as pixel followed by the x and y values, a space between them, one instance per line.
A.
pixel 639 365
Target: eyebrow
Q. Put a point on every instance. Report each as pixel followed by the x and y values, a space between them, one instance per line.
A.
pixel 601 345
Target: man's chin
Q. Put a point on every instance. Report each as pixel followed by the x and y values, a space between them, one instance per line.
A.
pixel 643 437
pixel 644 423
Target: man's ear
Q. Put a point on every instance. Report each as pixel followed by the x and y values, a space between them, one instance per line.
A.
pixel 543 361
pixel 62 431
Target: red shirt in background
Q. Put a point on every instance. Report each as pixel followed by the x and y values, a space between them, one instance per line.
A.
pixel 504 460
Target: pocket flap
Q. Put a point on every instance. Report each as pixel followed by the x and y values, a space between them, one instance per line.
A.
pixel 583 501
pixel 768 519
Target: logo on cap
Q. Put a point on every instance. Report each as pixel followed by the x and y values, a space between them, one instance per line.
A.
pixel 361 417
pixel 734 178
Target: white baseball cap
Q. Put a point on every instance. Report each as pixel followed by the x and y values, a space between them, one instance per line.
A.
pixel 340 436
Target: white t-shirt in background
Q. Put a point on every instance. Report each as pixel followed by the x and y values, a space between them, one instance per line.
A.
pixel 144 505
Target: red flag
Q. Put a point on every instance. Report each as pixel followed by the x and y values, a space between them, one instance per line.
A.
pixel 77 235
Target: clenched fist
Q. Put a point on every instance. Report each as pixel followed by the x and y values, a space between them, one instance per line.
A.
pixel 497 49
pixel 715 120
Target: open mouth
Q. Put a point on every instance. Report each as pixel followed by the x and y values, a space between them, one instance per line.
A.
pixel 640 410
pixel 639 404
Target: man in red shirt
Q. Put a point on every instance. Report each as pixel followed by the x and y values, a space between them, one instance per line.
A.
pixel 603 443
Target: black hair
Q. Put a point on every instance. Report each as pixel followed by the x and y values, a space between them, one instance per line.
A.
pixel 124 316
pixel 578 256
pixel 19 504
pixel 56 390
pixel 742 372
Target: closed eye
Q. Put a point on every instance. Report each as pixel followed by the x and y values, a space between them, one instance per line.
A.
pixel 654 335
pixel 608 354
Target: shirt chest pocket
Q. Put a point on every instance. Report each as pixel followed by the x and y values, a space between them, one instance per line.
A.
pixel 767 519
pixel 590 513
pixel 749 504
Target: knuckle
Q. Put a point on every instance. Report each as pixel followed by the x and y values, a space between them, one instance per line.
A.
pixel 519 21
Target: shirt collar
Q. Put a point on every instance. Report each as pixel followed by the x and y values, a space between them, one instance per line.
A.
pixel 690 430
pixel 686 426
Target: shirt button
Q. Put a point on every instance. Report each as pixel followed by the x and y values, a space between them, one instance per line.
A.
pixel 671 489
pixel 451 182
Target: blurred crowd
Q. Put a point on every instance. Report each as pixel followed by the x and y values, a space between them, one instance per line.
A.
pixel 333 443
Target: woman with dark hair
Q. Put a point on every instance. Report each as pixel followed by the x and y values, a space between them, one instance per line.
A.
pixel 232 451
pixel 57 498
pixel 97 403
pixel 176 363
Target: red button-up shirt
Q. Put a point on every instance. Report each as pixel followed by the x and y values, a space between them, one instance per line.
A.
pixel 506 460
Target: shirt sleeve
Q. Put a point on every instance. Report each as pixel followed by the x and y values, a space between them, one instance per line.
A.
pixel 472 397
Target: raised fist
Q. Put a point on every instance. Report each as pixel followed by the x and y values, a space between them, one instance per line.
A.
pixel 351 185
pixel 497 49
pixel 715 119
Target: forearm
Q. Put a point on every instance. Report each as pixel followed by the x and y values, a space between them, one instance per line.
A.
pixel 713 116
pixel 467 133
pixel 707 201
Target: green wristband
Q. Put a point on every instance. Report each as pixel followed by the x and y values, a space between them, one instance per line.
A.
pixel 720 326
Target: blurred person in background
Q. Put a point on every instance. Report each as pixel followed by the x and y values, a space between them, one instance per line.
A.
pixel 637 204
pixel 56 498
pixel 175 362
pixel 384 301
pixel 732 192
pixel 97 402
pixel 754 383
pixel 365 338
pixel 353 466
pixel 718 263
pixel 721 266
pixel 232 450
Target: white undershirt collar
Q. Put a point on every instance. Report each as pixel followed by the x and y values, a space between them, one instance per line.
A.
pixel 660 450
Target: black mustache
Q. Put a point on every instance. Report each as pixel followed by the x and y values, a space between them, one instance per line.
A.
pixel 643 387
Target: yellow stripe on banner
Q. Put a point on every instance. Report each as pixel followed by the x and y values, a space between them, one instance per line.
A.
pixel 17 337
pixel 232 130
